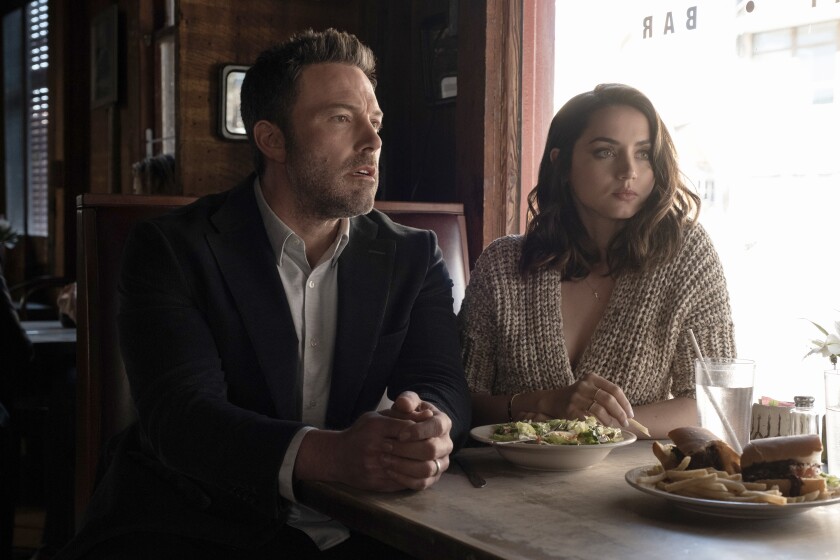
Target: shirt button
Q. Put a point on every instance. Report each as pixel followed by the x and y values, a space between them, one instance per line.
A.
pixel 312 283
pixel 313 342
pixel 312 404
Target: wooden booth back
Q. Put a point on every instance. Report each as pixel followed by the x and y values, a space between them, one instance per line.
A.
pixel 103 403
pixel 104 406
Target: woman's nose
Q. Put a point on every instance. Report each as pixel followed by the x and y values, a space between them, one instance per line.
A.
pixel 627 169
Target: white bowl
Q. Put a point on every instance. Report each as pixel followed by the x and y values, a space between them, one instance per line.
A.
pixel 550 457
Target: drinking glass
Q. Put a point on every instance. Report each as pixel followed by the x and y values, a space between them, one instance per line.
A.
pixel 724 388
pixel 832 420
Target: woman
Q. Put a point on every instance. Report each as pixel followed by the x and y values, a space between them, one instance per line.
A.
pixel 588 313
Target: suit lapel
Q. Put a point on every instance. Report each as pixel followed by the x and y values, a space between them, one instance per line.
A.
pixel 365 268
pixel 248 265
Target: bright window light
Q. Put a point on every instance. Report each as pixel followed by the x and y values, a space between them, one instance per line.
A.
pixel 753 102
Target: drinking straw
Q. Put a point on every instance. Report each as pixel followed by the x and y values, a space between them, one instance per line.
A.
pixel 708 378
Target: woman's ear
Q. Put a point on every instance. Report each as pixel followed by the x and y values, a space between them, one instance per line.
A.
pixel 270 140
pixel 552 155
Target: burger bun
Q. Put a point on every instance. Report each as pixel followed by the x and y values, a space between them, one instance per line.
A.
pixel 784 484
pixel 802 448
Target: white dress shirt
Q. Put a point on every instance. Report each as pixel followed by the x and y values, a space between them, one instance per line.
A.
pixel 312 294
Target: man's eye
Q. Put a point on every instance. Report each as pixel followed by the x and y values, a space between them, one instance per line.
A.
pixel 342 118
pixel 377 126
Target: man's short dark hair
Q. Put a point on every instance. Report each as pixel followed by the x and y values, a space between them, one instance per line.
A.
pixel 269 90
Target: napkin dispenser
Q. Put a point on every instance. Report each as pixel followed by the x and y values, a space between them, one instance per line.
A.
pixel 770 421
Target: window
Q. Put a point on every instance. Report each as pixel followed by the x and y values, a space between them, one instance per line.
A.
pixel 161 139
pixel 806 51
pixel 753 101
pixel 26 117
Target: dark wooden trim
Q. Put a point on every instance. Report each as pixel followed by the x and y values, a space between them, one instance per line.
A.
pixel 102 199
pixel 537 93
pixel 96 344
pixel 390 207
pixel 488 117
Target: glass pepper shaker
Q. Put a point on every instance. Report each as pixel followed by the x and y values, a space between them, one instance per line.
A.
pixel 804 419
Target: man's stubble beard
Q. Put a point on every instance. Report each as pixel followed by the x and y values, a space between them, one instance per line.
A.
pixel 320 196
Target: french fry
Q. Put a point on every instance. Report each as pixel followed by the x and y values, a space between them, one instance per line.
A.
pixel 682 475
pixel 732 485
pixel 687 483
pixel 639 427
pixel 651 479
pixel 776 499
pixel 810 496
pixel 709 494
pixel 683 464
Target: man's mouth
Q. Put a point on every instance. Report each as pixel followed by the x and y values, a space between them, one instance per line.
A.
pixel 365 172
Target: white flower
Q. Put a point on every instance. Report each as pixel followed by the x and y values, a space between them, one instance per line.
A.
pixel 830 346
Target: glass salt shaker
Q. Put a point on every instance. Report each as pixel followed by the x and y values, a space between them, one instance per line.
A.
pixel 804 419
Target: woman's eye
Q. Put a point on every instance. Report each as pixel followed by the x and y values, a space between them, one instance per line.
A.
pixel 604 153
pixel 644 155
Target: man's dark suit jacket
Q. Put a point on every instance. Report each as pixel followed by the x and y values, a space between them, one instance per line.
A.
pixel 211 355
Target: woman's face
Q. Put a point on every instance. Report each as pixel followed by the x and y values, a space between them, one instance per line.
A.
pixel 611 175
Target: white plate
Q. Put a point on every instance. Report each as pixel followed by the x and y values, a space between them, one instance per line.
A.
pixel 720 508
pixel 550 457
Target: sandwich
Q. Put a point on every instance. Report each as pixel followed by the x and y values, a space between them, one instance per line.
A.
pixel 793 463
pixel 703 448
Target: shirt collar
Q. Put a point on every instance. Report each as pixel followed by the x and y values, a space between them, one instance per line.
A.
pixel 284 240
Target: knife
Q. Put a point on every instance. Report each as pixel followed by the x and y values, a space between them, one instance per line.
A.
pixel 474 478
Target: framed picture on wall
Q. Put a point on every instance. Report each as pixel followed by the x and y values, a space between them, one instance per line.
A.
pixel 104 45
pixel 230 118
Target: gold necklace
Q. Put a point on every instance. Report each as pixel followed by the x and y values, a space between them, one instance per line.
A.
pixel 591 287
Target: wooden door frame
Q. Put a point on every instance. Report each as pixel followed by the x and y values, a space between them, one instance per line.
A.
pixel 505 88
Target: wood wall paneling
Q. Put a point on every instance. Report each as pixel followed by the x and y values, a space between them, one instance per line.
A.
pixel 537 93
pixel 69 143
pixel 489 113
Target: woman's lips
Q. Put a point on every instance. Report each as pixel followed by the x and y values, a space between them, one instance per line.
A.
pixel 625 195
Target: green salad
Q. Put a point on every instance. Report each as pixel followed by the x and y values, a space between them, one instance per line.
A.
pixel 832 483
pixel 557 432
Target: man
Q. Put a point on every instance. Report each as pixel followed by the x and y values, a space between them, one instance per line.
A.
pixel 260 328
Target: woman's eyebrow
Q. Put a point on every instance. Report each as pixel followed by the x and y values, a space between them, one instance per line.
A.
pixel 616 142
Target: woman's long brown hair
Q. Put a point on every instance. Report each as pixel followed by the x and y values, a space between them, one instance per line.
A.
pixel 556 237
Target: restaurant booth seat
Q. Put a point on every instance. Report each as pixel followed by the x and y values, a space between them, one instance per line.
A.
pixel 103 403
pixel 447 220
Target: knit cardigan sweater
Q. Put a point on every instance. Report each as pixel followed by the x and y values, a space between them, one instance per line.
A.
pixel 511 326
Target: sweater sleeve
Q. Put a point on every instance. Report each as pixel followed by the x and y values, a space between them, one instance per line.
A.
pixel 478 321
pixel 709 316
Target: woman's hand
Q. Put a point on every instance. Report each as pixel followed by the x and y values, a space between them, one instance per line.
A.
pixel 591 395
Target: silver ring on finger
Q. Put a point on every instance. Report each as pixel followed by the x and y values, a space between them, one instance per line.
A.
pixel 589 408
pixel 437 468
pixel 595 396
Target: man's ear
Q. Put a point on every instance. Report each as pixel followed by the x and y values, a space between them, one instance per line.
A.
pixel 270 140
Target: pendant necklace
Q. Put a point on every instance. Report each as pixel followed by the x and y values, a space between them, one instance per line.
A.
pixel 591 287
